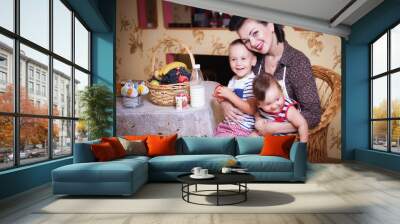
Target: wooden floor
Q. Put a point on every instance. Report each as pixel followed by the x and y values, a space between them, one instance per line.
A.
pixel 378 189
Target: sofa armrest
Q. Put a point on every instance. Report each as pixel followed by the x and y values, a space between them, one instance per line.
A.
pixel 298 155
pixel 83 152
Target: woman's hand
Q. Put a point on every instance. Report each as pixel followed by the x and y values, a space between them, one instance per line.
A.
pixel 264 127
pixel 230 112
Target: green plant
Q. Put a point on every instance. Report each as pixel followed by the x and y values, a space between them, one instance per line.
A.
pixel 96 102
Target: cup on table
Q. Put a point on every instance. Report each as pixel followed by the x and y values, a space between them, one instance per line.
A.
pixel 196 171
pixel 203 172
pixel 226 170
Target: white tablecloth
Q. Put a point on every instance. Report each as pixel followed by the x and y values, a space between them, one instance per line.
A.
pixel 153 119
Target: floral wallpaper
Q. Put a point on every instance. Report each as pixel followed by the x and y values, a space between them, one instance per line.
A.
pixel 137 47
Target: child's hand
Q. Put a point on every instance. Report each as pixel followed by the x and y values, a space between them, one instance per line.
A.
pixel 215 94
pixel 224 92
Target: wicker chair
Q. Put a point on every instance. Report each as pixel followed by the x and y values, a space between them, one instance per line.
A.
pixel 329 90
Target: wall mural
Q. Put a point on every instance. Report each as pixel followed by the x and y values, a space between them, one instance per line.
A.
pixel 137 50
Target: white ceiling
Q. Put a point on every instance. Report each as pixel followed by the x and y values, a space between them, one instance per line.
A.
pixel 317 15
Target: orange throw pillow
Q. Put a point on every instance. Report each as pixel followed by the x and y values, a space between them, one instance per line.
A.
pixel 116 145
pixel 135 137
pixel 277 145
pixel 159 145
pixel 103 151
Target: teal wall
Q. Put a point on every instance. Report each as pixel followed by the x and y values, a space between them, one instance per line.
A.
pixel 355 51
pixel 24 178
pixel 99 15
pixel 103 52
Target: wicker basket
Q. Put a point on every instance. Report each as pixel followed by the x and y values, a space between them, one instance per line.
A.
pixel 329 91
pixel 164 95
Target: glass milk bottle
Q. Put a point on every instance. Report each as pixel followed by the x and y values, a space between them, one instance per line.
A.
pixel 197 90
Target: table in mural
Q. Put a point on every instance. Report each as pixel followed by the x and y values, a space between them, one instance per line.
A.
pixel 153 119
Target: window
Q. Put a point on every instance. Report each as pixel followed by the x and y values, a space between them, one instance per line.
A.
pixel 3 61
pixel 6 143
pixel 385 96
pixel 3 72
pixel 81 81
pixel 62 140
pixel 30 72
pixel 44 91
pixel 30 87
pixel 7 14
pixel 62 29
pixel 45 131
pixel 37 75
pixel 7 89
pixel 81 45
pixel 37 89
pixel 3 78
pixel 62 74
pixel 34 22
pixel 44 77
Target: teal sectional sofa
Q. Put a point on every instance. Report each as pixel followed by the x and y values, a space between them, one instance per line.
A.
pixel 125 176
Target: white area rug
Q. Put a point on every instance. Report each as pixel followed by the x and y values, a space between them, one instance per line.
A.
pixel 166 198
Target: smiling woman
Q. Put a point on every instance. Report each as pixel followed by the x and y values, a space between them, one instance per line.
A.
pixel 289 66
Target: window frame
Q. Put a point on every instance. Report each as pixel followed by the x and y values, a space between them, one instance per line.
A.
pixel 16 114
pixel 388 74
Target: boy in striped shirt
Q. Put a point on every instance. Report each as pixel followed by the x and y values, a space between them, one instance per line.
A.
pixel 239 92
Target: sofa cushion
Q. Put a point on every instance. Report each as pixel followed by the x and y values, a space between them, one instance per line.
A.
pixel 103 152
pixel 207 145
pixel 277 145
pixel 134 147
pixel 116 145
pixel 249 145
pixel 159 145
pixel 257 163
pixel 185 163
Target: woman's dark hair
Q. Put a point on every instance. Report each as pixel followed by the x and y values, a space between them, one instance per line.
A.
pixel 262 83
pixel 237 21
